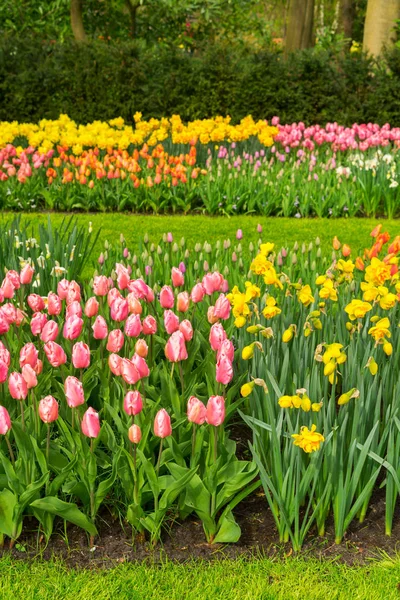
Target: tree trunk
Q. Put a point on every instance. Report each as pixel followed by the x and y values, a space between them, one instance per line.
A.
pixel 346 18
pixel 299 33
pixel 132 7
pixel 77 21
pixel 379 25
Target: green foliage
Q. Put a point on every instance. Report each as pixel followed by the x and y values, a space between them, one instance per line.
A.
pixel 105 80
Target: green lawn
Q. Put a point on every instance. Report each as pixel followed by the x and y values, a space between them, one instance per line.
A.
pixel 282 231
pixel 258 579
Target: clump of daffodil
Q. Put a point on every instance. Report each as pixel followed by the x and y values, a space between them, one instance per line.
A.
pixel 289 333
pixel 300 400
pixel 262 266
pixel 378 272
pixel 332 357
pixel 308 440
pixel 305 296
pixel 240 302
pixel 328 290
pixel 380 331
pixel 347 396
pixel 271 309
pixel 378 294
pixel 345 268
pixel 357 309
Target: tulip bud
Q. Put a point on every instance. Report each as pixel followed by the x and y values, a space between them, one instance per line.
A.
pixel 196 411
pixel 215 412
pixel 90 423
pixel 134 434
pixel 162 424
pixel 48 409
pixel 133 403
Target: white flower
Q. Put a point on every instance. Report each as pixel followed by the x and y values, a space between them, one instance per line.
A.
pixel 393 184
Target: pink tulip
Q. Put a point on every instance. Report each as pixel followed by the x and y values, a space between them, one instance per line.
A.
pixel 100 260
pixel 5 421
pixel 212 282
pixel 13 276
pixel 215 414
pixel 49 332
pixel 227 350
pixel 74 292
pixel 1 295
pixel 28 355
pixel 259 228
pixel 141 366
pixel 112 295
pixel 9 312
pixel 48 409
pixel 167 298
pixel 72 328
pixel 135 308
pixel 141 348
pixel 54 304
pixel 74 391
pixel 175 348
pixel 196 411
pixel 38 368
pixel 91 307
pixel 4 324
pixel 3 372
pixel 7 288
pixel 162 424
pixel 211 318
pixel 133 326
pixel 186 328
pixel 149 325
pixel 29 375
pixel 73 309
pixel 171 322
pixel 91 423
pixel 239 234
pixel 129 371
pixel 38 321
pixel 35 302
pixel 133 403
pixel 182 302
pixel 17 386
pixel 62 289
pixel 80 355
pixel 224 371
pixel 197 293
pixel 101 285
pixel 115 340
pixel 217 336
pixel 100 329
pixel 134 434
pixel 139 288
pixel 5 356
pixel 222 308
pixel 26 274
pixel 114 362
pixel 177 277
pixel 123 277
pixel 225 286
pixel 119 309
pixel 55 354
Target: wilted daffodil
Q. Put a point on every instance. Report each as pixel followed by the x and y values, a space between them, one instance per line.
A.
pixel 346 397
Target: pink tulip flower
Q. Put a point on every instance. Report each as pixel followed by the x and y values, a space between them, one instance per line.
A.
pixel 74 309
pixel 149 325
pixel 5 421
pixel 182 302
pixel 133 403
pixel 115 340
pixel 114 362
pixel 133 326
pixel 54 304
pixel 35 302
pixel 17 386
pixel 55 354
pixel 224 371
pixel 135 308
pixel 72 327
pixel 167 298
pixel 177 277
pixel 215 413
pixel 171 322
pixel 227 350
pixel 3 372
pixel 28 355
pixel 134 434
pixel 38 321
pixel 8 289
pixel 99 328
pixel 80 355
pixel 186 328
pixel 129 371
pixel 48 409
pixel 74 391
pixel 119 309
pixel 217 336
pixel 91 307
pixel 101 285
pixel 74 292
pixel 175 348
pixel 198 293
pixel 162 424
pixel 49 332
pixel 26 274
pixel 112 295
pixel 196 411
pixel 29 375
pixel 222 308
pixel 62 289
pixel 13 276
pixel 91 423
pixel 141 366
pixel 141 348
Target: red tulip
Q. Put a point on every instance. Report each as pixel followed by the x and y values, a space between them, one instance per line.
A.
pixel 80 355
pixel 55 354
pixel 28 355
pixel 196 411
pixel 114 362
pixel 17 386
pixel 186 328
pixel 141 348
pixel 133 403
pixel 171 322
pixel 175 348
pixel 134 434
pixel 162 424
pixel 29 375
pixel 133 326
pixel 38 321
pixel 167 298
pixel 48 409
pixel 91 307
pixel 72 328
pixel 91 423
pixel 215 413
pixel 49 332
pixel 149 325
pixel 5 421
pixel 26 274
pixel 54 304
pixel 177 277
pixel 74 391
pixel 115 340
pixel 217 336
pixel 100 329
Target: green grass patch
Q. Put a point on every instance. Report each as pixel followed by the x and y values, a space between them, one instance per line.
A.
pixel 258 579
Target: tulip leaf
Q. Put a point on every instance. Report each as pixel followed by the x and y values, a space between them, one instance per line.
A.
pixel 66 510
pixel 228 531
pixel 8 501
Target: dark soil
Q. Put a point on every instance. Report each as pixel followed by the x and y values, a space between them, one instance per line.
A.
pixel 186 540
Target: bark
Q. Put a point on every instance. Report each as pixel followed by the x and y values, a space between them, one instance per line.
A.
pixel 299 33
pixel 346 18
pixel 77 21
pixel 379 25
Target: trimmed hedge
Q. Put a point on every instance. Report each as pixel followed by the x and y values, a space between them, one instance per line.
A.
pixel 101 81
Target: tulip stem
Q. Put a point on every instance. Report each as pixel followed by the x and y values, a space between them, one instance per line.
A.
pixel 193 441
pixel 135 488
pixel 35 413
pixel 48 443
pixel 157 470
pixel 73 418
pixel 10 450
pixel 214 494
pixel 182 384
pixel 22 415
pixel 92 515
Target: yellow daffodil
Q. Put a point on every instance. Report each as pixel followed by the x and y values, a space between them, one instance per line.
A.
pixel 308 439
